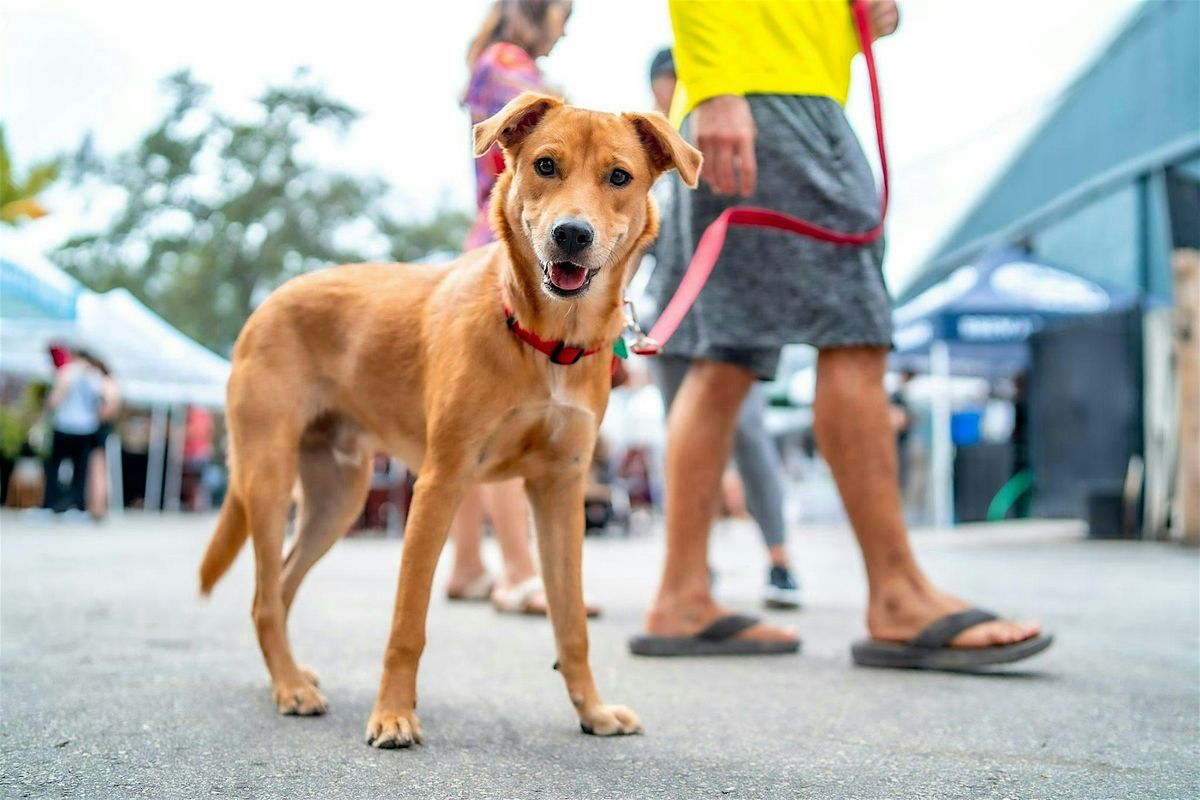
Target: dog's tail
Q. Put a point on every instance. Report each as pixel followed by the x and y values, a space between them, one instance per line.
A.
pixel 227 540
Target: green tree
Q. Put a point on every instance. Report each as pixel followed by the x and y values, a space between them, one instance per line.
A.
pixel 18 196
pixel 217 211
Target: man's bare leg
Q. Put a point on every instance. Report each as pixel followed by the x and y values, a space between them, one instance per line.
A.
pixel 700 432
pixel 856 438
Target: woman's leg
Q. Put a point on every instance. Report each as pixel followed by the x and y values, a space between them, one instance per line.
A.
pixel 80 451
pixel 466 534
pixel 759 464
pixel 97 482
pixel 58 454
pixel 508 509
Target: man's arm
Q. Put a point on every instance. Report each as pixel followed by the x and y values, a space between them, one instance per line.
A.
pixel 725 133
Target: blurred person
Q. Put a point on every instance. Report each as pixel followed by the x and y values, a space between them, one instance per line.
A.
pixel 663 79
pixel 97 480
pixel 134 430
pixel 763 102
pixel 502 59
pixel 754 452
pixel 82 398
pixel 197 455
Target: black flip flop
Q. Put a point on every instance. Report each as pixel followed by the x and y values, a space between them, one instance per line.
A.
pixel 931 649
pixel 718 639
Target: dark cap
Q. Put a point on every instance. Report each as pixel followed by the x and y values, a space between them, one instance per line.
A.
pixel 663 64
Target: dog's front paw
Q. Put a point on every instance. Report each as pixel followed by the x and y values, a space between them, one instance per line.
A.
pixel 610 721
pixel 300 698
pixel 387 730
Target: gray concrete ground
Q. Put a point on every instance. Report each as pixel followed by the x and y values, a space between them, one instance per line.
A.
pixel 118 681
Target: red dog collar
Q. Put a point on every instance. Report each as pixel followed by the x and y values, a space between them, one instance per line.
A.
pixel 559 352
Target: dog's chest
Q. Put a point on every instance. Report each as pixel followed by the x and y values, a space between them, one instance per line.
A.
pixel 554 429
pixel 566 418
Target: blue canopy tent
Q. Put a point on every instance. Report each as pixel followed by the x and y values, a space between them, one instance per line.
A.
pixel 985 312
pixel 977 321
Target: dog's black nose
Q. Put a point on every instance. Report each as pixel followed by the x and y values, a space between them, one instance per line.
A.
pixel 573 235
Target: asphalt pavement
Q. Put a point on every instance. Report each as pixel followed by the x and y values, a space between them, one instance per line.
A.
pixel 117 680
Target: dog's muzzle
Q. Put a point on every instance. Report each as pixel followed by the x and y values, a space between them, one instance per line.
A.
pixel 567 277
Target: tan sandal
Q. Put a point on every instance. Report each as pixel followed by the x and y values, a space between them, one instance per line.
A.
pixel 519 599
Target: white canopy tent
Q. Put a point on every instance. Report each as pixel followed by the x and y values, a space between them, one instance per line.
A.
pixel 154 364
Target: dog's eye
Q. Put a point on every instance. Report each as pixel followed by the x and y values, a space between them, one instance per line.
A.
pixel 544 167
pixel 619 177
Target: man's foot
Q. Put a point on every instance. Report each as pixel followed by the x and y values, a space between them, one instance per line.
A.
pixel 782 589
pixel 931 648
pixel 682 618
pixel 898 613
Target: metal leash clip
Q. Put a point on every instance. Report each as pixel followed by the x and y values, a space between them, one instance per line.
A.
pixel 642 344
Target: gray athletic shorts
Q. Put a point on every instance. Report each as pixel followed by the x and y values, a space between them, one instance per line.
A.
pixel 771 288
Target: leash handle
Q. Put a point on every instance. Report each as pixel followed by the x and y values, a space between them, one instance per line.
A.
pixel 713 239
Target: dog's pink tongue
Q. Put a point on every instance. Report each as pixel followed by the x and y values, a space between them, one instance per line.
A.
pixel 567 277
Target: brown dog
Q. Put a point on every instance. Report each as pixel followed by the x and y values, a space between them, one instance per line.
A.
pixel 494 367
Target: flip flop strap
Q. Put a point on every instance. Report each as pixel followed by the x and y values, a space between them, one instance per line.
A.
pixel 727 628
pixel 943 631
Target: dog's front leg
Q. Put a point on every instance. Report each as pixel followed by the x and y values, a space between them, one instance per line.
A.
pixel 558 509
pixel 393 721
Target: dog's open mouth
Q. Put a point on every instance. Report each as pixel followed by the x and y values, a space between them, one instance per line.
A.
pixel 566 279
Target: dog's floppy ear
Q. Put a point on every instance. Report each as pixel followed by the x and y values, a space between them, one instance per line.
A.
pixel 514 122
pixel 666 147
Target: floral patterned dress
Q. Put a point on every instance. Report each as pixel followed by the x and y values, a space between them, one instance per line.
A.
pixel 502 72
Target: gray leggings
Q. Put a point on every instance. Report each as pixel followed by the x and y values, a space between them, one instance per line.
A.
pixel 753 451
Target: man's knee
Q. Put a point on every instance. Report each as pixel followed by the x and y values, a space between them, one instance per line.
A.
pixel 852 367
pixel 718 384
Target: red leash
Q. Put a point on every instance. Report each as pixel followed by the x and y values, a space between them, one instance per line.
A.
pixel 713 238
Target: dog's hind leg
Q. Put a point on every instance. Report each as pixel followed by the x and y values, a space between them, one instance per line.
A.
pixel 557 499
pixel 333 492
pixel 393 721
pixel 267 496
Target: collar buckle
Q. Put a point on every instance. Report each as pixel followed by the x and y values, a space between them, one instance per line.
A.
pixel 564 355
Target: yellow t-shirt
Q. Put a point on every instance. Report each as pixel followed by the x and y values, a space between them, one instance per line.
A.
pixel 760 47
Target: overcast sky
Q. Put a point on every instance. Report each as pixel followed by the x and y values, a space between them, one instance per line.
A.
pixel 964 82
